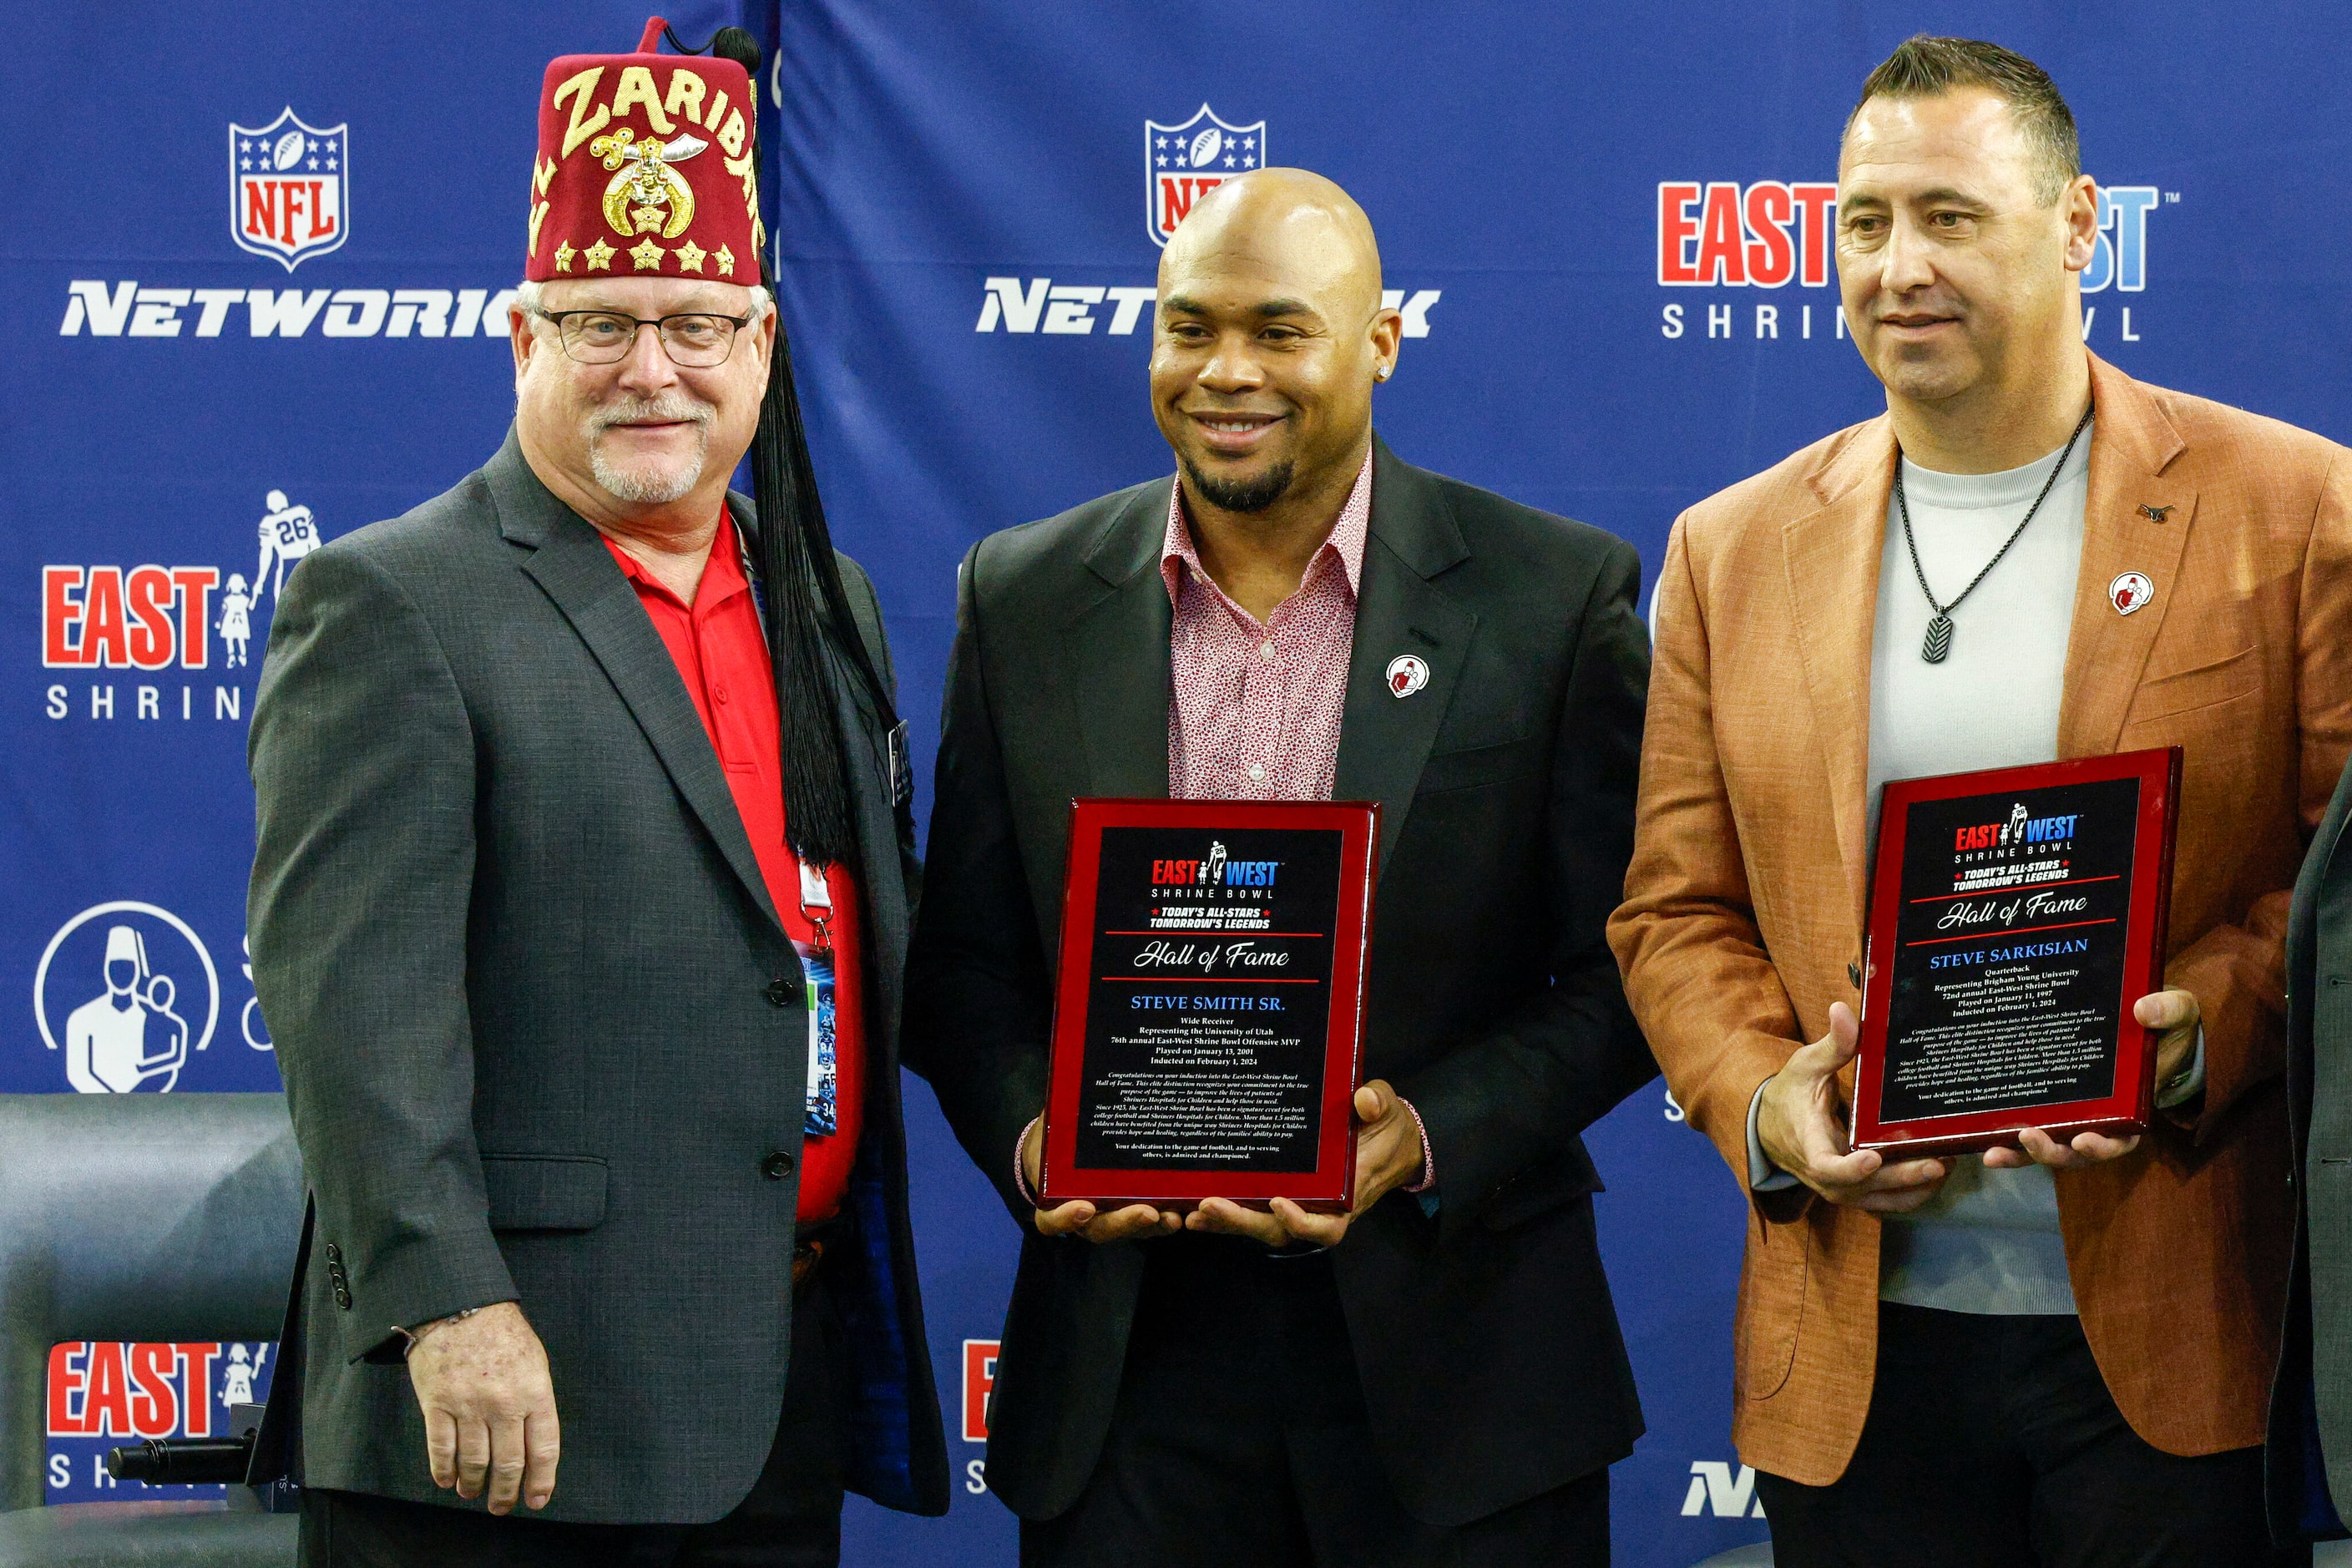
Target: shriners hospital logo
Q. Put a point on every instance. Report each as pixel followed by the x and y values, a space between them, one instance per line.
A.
pixel 125 990
pixel 286 188
pixel 1184 162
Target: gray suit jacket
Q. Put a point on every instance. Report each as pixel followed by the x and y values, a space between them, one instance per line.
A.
pixel 2315 1373
pixel 1488 1347
pixel 540 1030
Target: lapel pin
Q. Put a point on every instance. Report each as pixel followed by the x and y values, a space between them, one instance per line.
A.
pixel 2129 591
pixel 1407 675
pixel 2154 513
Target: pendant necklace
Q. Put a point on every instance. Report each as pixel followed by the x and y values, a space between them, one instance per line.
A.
pixel 1938 641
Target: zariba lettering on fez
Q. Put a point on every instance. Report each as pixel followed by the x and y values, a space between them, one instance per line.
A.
pixel 1208 1013
pixel 2016 915
pixel 645 167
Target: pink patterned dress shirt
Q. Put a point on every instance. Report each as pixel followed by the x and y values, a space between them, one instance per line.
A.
pixel 1254 709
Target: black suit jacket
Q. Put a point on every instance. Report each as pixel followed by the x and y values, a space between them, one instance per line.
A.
pixel 2315 1351
pixel 1490 1354
pixel 539 1027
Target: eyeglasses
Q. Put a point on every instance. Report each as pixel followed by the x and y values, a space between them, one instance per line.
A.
pixel 697 339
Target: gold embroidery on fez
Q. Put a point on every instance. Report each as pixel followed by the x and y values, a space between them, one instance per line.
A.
pixel 599 254
pixel 726 260
pixel 583 125
pixel 646 184
pixel 689 257
pixel 647 257
pixel 685 98
pixel 564 255
pixel 538 216
pixel 747 167
pixel 637 87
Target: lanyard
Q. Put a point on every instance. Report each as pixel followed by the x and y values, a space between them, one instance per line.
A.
pixel 816 904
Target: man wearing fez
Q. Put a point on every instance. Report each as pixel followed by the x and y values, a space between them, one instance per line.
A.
pixel 1297 615
pixel 581 891
pixel 2058 1352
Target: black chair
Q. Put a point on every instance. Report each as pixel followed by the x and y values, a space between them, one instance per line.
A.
pixel 141 1217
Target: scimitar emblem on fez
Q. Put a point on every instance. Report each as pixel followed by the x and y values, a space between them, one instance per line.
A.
pixel 646 184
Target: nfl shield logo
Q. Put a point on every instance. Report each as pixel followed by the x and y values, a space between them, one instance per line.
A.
pixel 1182 162
pixel 289 185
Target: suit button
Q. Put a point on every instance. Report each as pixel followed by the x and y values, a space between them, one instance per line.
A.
pixel 334 1253
pixel 780 992
pixel 776 1166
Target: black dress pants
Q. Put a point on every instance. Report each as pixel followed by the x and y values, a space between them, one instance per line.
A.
pixel 792 1519
pixel 1993 1441
pixel 1240 1440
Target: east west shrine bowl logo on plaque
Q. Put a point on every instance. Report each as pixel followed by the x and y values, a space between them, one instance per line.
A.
pixel 290 184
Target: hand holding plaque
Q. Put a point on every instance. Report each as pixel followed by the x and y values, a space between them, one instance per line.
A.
pixel 2174 1016
pixel 1100 1225
pixel 1388 1157
pixel 1800 1122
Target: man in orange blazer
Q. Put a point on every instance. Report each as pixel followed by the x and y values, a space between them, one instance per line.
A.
pixel 2057 1354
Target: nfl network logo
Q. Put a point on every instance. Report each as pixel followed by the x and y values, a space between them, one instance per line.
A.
pixel 289 188
pixel 1184 162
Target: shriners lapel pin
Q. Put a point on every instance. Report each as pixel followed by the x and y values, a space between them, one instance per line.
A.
pixel 2128 592
pixel 1407 675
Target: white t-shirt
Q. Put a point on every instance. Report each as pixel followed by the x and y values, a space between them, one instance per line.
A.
pixel 1988 1240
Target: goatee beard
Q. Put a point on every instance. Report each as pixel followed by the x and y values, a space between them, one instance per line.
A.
pixel 1242 495
pixel 655 487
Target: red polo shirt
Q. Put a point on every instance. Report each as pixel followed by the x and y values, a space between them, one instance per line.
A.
pixel 722 656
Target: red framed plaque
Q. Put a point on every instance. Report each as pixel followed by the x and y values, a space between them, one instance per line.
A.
pixel 2015 916
pixel 1209 1006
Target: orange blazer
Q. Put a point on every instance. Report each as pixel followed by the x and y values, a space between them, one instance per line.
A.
pixel 1742 916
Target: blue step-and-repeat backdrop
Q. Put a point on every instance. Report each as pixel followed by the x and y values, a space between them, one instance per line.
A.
pixel 256 285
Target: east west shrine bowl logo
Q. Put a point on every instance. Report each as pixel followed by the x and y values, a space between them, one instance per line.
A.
pixel 1184 162
pixel 289 185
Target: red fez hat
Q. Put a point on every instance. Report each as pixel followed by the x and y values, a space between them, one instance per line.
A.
pixel 647 167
